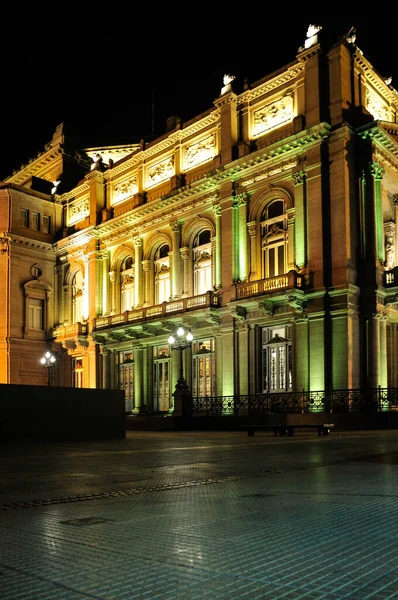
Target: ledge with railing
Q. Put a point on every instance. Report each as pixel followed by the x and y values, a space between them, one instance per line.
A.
pixel 362 400
pixel 163 310
pixel 291 280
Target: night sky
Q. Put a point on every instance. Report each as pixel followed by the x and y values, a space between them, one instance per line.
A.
pixel 117 80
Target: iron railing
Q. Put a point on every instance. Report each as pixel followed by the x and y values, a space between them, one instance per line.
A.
pixel 364 400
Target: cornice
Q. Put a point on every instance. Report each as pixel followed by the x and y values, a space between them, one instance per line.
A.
pixel 384 136
pixel 76 239
pixel 387 91
pixel 21 241
pixel 287 76
pixel 77 191
pixel 35 165
pixel 168 143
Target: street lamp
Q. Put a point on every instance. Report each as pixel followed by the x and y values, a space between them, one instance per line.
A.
pixel 181 340
pixel 48 361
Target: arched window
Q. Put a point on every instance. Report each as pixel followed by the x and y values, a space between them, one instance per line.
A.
pixel 274 239
pixel 77 297
pixel 162 274
pixel 127 284
pixel 202 263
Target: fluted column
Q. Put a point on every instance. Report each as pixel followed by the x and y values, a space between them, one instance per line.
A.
pixel 299 243
pixel 146 268
pixel 186 290
pixel 242 236
pixel 112 279
pixel 138 379
pixel 105 283
pixel 217 279
pixel 235 239
pixel 176 263
pixel 291 242
pixel 138 279
pixel 255 260
pixel 377 173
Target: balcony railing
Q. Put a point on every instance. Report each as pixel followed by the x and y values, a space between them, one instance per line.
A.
pixel 71 331
pixel 157 311
pixel 376 399
pixel 291 280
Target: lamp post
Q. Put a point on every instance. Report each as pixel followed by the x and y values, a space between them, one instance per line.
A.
pixel 181 340
pixel 48 361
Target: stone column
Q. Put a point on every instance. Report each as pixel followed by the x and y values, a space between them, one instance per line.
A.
pixel 112 279
pixel 291 264
pixel 242 237
pixel 138 379
pixel 255 261
pixel 67 304
pixel 235 239
pixel 218 257
pixel 377 173
pixel 148 295
pixel 299 242
pixel 138 278
pixel 176 264
pixel 242 332
pixel 187 270
pixel 105 282
pixel 383 370
pixel 300 349
pixel 106 368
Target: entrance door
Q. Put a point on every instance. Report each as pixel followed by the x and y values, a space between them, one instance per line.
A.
pixel 161 385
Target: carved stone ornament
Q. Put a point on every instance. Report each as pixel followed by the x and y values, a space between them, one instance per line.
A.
pixel 125 190
pixel 160 172
pixel 200 152
pixel 273 115
pixel 296 301
pixel 266 307
pixel 239 312
pixel 377 108
pixel 4 243
pixel 78 211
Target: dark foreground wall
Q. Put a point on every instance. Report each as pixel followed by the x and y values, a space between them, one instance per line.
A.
pixel 54 413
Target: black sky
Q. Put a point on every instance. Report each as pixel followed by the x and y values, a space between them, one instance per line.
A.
pixel 122 80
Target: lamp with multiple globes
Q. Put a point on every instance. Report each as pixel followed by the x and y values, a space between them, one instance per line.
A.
pixel 181 340
pixel 48 362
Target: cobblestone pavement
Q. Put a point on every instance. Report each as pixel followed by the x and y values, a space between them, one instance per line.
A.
pixel 201 515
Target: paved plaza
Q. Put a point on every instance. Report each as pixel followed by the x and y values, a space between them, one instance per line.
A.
pixel 194 515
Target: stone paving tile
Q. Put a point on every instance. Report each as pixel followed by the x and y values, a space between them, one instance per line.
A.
pixel 320 523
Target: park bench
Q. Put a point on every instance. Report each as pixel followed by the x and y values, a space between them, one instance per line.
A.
pixel 322 429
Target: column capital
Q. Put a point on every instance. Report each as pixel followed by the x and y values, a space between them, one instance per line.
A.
pixel 376 170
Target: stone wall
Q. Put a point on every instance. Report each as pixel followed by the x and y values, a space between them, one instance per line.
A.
pixel 56 413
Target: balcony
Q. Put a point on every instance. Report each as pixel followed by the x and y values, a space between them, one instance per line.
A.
pixel 289 281
pixel 71 336
pixel 158 311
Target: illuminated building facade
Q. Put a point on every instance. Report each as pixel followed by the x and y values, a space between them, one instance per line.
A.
pixel 267 225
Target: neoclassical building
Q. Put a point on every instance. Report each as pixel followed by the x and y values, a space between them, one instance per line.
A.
pixel 266 225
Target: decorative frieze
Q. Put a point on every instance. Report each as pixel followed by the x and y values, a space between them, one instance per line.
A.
pixel 159 172
pixel 124 190
pixel 273 115
pixel 377 107
pixel 200 152
pixel 78 211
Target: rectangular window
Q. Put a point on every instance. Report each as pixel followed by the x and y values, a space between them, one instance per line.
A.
pixel 36 221
pixel 24 217
pixel 35 314
pixel 46 224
